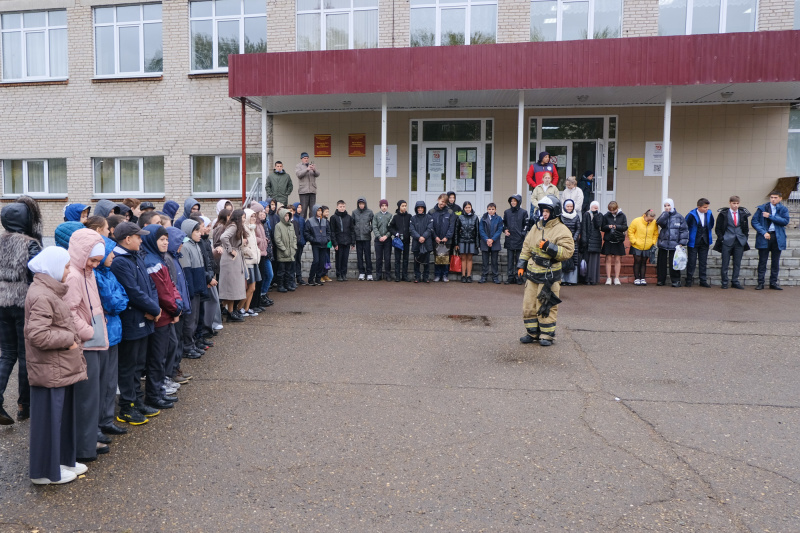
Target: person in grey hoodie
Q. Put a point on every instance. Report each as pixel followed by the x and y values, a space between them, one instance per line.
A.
pixel 105 208
pixel 363 220
pixel 190 207
pixel 383 242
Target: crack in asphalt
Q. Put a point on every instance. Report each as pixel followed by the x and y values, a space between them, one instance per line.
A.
pixel 686 332
pixel 719 404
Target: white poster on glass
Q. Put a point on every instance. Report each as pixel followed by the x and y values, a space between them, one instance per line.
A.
pixel 391 161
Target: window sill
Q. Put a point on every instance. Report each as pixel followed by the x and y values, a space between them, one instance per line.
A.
pixel 127 79
pixel 138 196
pixel 22 83
pixel 217 195
pixel 198 74
pixel 38 197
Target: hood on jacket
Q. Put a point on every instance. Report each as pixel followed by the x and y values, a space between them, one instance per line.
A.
pixel 81 246
pixel 124 210
pixel 518 198
pixel 23 216
pixel 256 207
pixel 51 261
pixel 188 205
pixel 574 213
pixel 314 209
pixel 587 174
pixel 295 205
pixel 171 208
pixel 362 199
pixel 150 242
pixel 247 214
pixel 64 233
pixel 670 202
pixel 421 204
pixel 176 237
pixel 188 226
pixel 72 212
pixel 451 193
pixel 268 205
pixel 106 208
pixel 110 244
pixel 221 205
pixel 283 212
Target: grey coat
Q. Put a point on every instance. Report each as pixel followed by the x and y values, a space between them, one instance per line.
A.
pixel 232 284
pixel 307 178
pixel 363 220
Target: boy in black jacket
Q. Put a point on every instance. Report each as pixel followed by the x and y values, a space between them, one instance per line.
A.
pixel 343 237
pixel 400 226
pixel 318 234
pixel 515 220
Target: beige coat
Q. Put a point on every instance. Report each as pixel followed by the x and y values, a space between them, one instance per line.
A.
pixel 232 278
pixel 307 179
pixel 49 333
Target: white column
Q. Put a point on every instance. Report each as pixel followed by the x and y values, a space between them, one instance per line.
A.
pixel 383 145
pixel 520 140
pixel 264 158
pixel 666 141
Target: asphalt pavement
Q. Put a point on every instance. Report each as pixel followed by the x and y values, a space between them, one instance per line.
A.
pixel 382 407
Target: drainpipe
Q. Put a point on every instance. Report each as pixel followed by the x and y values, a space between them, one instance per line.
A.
pixel 667 150
pixel 244 156
pixel 264 157
pixel 520 139
pixel 383 145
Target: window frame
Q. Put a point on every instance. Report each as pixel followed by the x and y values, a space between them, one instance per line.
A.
pixel 723 18
pixel 117 26
pixel 467 5
pixel 22 30
pixel 590 29
pixel 217 192
pixel 323 12
pixel 25 189
pixel 117 191
pixel 215 36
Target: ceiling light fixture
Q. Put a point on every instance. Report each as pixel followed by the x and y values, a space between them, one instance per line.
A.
pixel 726 94
pixel 452 101
pixel 583 97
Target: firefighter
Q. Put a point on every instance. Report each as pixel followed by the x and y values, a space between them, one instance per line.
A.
pixel 547 244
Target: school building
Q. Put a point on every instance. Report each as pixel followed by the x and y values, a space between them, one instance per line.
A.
pixel 397 99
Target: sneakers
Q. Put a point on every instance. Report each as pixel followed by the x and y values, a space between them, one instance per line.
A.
pixel 369 278
pixel 642 282
pixel 608 281
pixel 170 384
pixel 235 317
pixel 146 410
pixel 218 327
pixel 617 282
pixel 637 282
pixel 326 279
pixel 250 312
pixel 79 469
pixel 130 415
pixel 436 279
pixel 361 277
pixel 180 378
pixel 66 477
pixel 445 278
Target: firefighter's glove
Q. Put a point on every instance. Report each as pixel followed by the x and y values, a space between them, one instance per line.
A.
pixel 549 248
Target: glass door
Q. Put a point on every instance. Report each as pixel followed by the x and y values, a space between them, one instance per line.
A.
pixel 604 182
pixel 453 166
pixel 466 179
pixel 560 155
pixel 435 167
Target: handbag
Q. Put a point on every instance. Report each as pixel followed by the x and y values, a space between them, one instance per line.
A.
pixel 583 268
pixel 442 254
pixel 455 263
pixel 397 242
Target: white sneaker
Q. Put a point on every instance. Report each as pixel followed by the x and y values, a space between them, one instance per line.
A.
pixel 78 469
pixel 642 282
pixel 608 281
pixel 218 327
pixel 169 390
pixel 171 384
pixel 616 281
pixel 369 278
pixel 445 278
pixel 66 477
pixel 361 277
pixel 637 282
pixel 251 313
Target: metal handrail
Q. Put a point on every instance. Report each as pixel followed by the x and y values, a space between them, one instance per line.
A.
pixel 255 193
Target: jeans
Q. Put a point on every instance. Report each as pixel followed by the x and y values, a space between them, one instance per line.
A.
pixel 697 255
pixel 401 260
pixel 364 257
pixel 425 261
pixel 266 275
pixel 775 266
pixel 317 263
pixel 383 257
pixel 440 271
pixel 12 350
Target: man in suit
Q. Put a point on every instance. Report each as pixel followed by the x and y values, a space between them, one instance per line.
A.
pixel 770 222
pixel 700 223
pixel 732 229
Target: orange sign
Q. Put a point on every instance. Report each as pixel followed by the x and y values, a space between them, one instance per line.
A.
pixel 322 146
pixel 357 145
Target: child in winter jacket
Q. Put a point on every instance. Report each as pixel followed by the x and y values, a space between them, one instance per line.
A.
pixel 515 220
pixel 362 219
pixel 383 242
pixel 490 229
pixel 286 243
pixel 299 229
pixel 615 226
pixel 399 227
pixel 191 262
pixel 467 239
pixel 318 234
pixel 673 232
pixel 421 228
pixel 343 236
pixel 642 234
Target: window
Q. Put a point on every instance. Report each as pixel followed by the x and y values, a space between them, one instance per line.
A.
pixel 692 17
pixel 797 14
pixel 446 23
pixel 35 177
pixel 127 40
pixel 224 27
pixel 34 45
pixel 569 20
pixel 337 25
pixel 793 151
pixel 222 174
pixel 128 175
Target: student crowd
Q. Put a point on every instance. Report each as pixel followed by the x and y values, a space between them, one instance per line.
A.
pixel 129 292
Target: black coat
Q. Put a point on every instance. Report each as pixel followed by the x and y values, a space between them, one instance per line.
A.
pixel 722 226
pixel 343 229
pixel 515 221
pixel 620 221
pixel 591 236
pixel 467 229
pixel 421 226
pixel 588 194
pixel 400 226
pixel 443 222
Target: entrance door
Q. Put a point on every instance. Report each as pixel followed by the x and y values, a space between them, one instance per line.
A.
pixel 561 156
pixel 604 178
pixel 452 166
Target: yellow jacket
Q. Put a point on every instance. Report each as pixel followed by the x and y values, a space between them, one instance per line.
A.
pixel 641 234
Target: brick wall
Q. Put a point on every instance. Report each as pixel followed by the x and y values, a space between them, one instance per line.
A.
pixel 775 15
pixel 639 18
pixel 514 21
pixel 281 26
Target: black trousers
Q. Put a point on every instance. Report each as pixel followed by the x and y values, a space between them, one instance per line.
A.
pixel 639 267
pixel 189 324
pixel 495 264
pixel 306 202
pixel 423 260
pixel 283 277
pixel 383 257
pixel 298 263
pixel 775 265
pixel 697 255
pixel 132 357
pixel 512 257
pixel 12 351
pixel 665 265
pixel 364 257
pixel 317 263
pixel 736 251
pixel 156 364
pixel 87 405
pixel 174 351
pixel 401 260
pixel 342 257
pixel 52 433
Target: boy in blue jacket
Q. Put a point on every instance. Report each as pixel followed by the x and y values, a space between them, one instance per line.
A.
pixel 700 223
pixel 115 301
pixel 770 222
pixel 137 320
pixel 490 229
